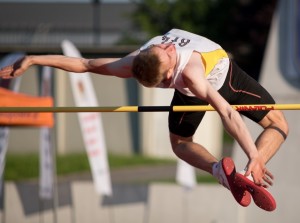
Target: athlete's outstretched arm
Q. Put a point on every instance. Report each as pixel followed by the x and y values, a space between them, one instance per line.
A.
pixel 120 67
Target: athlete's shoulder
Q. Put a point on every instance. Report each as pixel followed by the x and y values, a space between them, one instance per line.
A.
pixel 194 65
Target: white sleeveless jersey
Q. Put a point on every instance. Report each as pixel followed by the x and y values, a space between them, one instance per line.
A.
pixel 216 60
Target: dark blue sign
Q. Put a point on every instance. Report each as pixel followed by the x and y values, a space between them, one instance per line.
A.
pixel 289 41
pixel 297 38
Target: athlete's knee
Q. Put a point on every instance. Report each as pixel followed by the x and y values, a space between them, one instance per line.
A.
pixel 280 124
pixel 276 120
pixel 179 143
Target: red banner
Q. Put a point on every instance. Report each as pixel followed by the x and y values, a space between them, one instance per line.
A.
pixel 12 99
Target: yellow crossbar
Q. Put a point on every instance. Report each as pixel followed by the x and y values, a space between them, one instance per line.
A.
pixel 146 108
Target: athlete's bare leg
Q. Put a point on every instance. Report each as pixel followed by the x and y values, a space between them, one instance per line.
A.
pixel 193 153
pixel 267 143
pixel 197 156
pixel 275 130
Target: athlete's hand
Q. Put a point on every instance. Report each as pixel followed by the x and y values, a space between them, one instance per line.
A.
pixel 16 69
pixel 260 174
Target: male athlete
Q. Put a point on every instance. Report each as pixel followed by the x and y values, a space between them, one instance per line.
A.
pixel 201 73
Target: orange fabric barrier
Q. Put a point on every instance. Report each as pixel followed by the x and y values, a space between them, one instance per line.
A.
pixel 12 99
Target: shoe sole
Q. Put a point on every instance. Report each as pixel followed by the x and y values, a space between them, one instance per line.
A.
pixel 261 197
pixel 241 195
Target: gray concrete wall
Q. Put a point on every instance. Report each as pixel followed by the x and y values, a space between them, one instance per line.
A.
pixel 151 203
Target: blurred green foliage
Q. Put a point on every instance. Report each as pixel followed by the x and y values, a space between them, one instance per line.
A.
pixel 241 26
pixel 198 16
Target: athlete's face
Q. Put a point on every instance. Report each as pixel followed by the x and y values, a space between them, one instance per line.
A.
pixel 168 58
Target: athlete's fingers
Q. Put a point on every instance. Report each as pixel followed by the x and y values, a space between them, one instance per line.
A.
pixel 257 180
pixel 268 181
pixel 269 174
pixel 247 173
pixel 7 72
pixel 261 176
pixel 268 178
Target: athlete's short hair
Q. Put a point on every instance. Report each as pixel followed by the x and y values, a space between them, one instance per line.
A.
pixel 146 68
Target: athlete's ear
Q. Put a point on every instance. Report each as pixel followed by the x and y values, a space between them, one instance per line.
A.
pixel 170 73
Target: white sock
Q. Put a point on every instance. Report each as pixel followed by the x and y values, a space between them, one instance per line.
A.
pixel 216 170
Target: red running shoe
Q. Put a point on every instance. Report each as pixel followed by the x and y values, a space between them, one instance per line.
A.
pixel 227 174
pixel 262 198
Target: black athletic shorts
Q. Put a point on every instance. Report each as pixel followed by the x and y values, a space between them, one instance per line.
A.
pixel 238 88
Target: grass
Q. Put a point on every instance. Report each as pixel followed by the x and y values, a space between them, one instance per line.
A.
pixel 26 166
pixel 21 167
